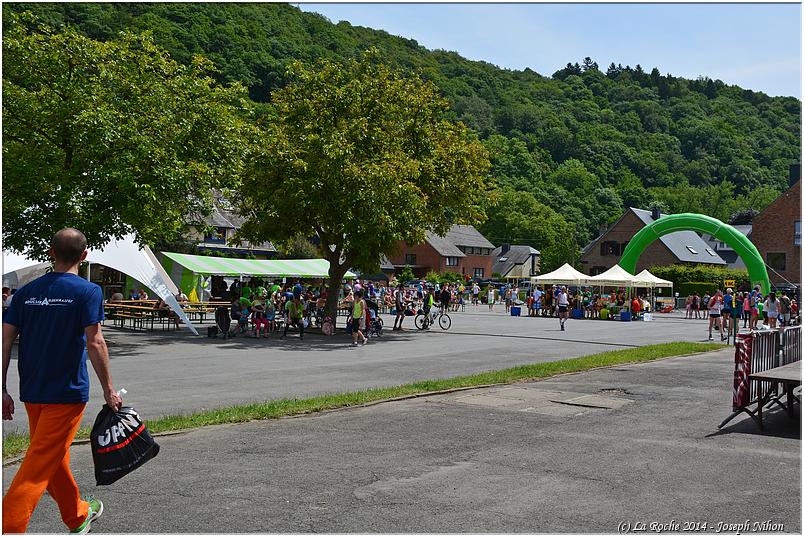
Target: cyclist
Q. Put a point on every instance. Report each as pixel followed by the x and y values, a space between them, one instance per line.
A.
pixel 429 300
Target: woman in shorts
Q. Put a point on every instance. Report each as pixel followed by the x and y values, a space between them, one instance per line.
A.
pixel 715 306
pixel 746 309
pixel 771 309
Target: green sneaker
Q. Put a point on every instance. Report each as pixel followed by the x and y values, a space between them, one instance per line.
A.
pixel 94 513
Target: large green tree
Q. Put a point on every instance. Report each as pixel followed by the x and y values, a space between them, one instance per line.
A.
pixel 362 157
pixel 110 137
pixel 643 132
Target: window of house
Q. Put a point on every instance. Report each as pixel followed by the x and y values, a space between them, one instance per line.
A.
pixel 502 259
pixel 410 259
pixel 710 252
pixel 479 272
pixel 610 248
pixel 488 251
pixel 623 246
pixel 452 261
pixel 777 260
pixel 692 250
pixel 597 270
pixel 797 232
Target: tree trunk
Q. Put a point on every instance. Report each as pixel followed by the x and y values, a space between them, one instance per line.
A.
pixel 336 273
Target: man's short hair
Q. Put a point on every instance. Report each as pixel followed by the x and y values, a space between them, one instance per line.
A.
pixel 68 244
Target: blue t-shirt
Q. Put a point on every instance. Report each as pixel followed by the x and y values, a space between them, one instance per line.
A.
pixel 51 313
pixel 727 302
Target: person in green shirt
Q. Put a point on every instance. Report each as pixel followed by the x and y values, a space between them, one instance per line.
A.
pixel 295 316
pixel 358 318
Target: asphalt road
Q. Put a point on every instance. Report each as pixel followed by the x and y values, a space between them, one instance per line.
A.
pixel 176 372
pixel 587 452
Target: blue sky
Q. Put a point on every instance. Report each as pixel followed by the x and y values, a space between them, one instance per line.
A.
pixel 756 46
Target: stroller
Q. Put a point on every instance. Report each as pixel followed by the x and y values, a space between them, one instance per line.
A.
pixel 223 322
pixel 375 324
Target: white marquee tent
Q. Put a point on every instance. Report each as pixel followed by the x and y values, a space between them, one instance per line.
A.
pixel 616 276
pixel 127 257
pixel 564 275
pixel 646 279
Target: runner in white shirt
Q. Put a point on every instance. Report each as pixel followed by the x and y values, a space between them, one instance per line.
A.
pixel 563 305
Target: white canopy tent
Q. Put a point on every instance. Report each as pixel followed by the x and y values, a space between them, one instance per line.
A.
pixel 646 279
pixel 564 275
pixel 123 255
pixel 616 276
pixel 20 276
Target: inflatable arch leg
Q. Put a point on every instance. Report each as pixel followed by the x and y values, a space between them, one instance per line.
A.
pixel 702 224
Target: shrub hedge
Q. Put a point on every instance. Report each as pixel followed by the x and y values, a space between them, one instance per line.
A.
pixel 712 277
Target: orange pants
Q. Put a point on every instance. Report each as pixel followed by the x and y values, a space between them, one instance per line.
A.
pixel 46 466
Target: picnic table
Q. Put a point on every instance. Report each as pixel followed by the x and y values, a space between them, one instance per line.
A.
pixel 136 315
pixel 142 314
pixel 787 375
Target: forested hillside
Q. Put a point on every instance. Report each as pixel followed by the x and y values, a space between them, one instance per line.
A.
pixel 570 150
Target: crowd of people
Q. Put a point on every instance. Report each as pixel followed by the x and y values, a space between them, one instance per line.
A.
pixel 723 309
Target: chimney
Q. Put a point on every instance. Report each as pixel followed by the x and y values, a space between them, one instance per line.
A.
pixel 795 174
pixel 655 214
pixel 505 248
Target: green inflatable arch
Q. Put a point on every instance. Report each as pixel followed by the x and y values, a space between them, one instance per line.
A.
pixel 702 224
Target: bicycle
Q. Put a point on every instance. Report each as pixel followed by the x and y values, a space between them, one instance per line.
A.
pixel 424 322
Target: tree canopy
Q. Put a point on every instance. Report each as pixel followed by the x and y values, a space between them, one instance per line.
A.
pixel 110 137
pixel 640 136
pixel 361 157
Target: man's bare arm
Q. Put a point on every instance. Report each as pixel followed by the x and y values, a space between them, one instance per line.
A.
pixel 99 356
pixel 9 335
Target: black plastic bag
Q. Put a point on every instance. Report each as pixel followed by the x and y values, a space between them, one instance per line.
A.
pixel 120 444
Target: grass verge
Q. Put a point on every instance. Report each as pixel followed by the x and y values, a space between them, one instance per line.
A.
pixel 15 444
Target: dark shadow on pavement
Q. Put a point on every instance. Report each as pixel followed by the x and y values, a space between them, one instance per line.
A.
pixel 775 422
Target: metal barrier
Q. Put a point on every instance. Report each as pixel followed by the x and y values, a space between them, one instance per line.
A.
pixel 755 352
pixel 791 345
pixel 764 355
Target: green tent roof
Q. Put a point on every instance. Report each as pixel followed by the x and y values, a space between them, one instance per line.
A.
pixel 276 268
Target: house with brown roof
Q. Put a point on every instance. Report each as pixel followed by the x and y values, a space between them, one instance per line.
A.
pixel 776 233
pixel 463 249
pixel 216 232
pixel 678 247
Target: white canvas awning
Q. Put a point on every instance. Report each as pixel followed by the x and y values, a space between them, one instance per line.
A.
pixel 127 257
pixel 16 278
pixel 615 276
pixel 564 275
pixel 646 279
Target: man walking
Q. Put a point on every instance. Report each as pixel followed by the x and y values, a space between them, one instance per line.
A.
pixel 57 317
pixel 399 306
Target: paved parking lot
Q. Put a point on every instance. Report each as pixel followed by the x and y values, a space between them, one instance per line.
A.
pixel 588 453
pixel 175 372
